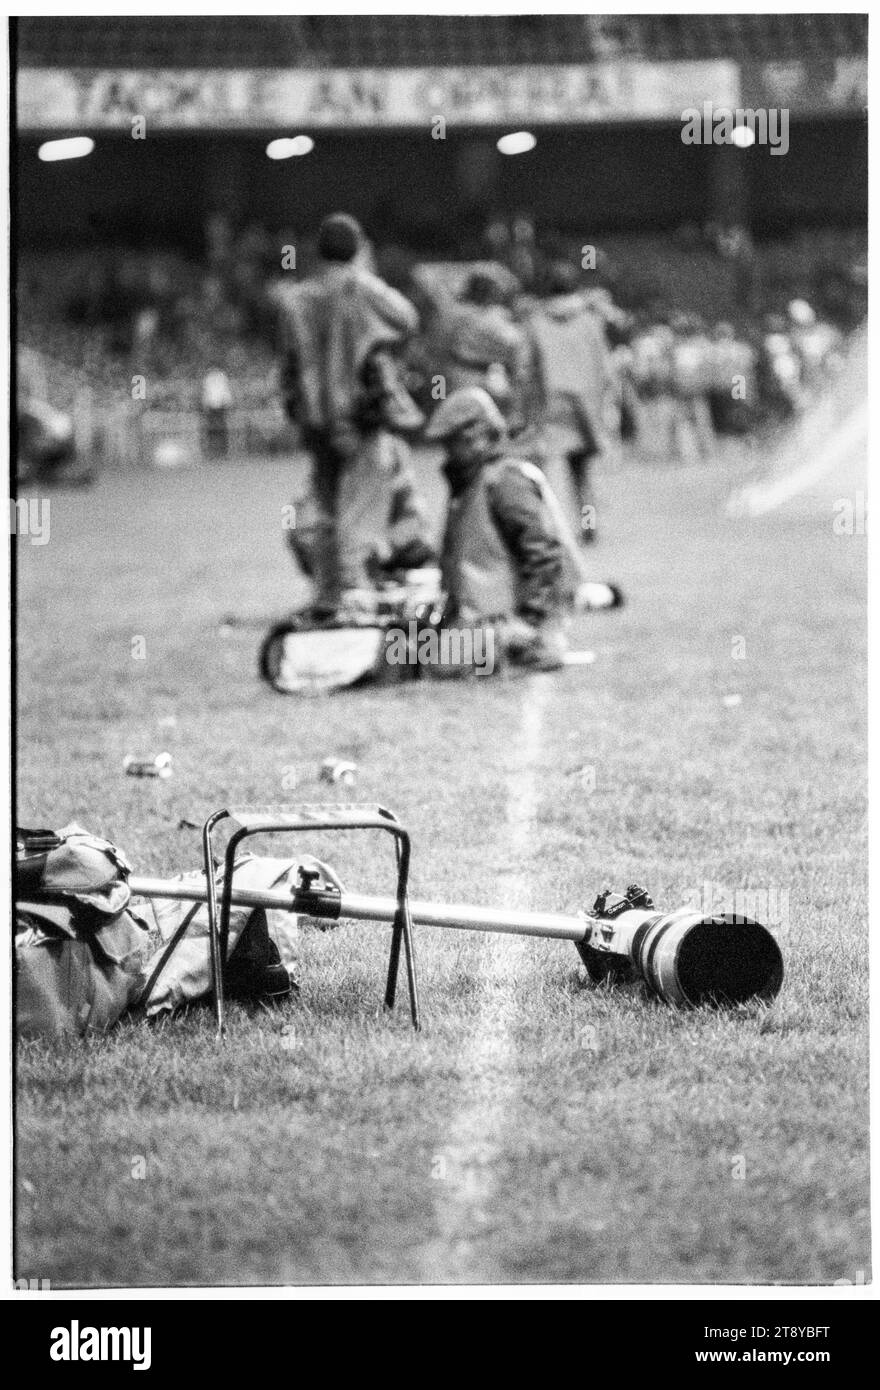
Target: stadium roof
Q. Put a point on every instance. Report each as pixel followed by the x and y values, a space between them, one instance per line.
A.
pixel 430 40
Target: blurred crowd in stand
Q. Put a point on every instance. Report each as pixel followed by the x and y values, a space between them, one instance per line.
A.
pixel 663 341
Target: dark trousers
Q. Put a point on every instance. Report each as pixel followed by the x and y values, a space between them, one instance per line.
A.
pixel 337 560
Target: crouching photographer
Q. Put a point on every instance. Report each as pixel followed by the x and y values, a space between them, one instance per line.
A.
pixel 503 558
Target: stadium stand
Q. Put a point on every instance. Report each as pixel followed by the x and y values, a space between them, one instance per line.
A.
pixel 137 286
pixel 401 41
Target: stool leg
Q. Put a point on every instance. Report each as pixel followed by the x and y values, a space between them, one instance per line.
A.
pixel 214 938
pixel 397 932
pixel 409 947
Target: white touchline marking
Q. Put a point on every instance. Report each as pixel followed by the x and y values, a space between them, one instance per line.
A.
pixel 468 1178
pixel 760 498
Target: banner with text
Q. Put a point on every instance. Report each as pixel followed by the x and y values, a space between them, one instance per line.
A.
pixel 287 99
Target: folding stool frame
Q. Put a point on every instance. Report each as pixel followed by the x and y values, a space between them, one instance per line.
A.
pixel 310 816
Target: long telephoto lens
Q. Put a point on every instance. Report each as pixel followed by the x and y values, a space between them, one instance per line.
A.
pixel 724 959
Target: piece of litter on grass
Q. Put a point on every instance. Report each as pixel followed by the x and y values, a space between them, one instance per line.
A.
pixel 731 700
pixel 160 766
pixel 586 774
pixel 338 770
pixel 579 658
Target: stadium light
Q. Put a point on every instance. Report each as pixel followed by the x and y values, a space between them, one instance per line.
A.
pixel 742 136
pixel 518 142
pixel 73 148
pixel 288 148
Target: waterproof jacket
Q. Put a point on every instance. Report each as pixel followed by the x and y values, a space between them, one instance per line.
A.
pixel 329 326
pixel 502 552
pixel 572 359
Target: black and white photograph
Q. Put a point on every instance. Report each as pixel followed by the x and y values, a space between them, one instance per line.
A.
pixel 439 661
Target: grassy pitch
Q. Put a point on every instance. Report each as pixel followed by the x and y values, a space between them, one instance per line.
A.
pixel 537 1129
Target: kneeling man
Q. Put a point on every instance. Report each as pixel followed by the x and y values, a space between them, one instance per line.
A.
pixel 504 559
